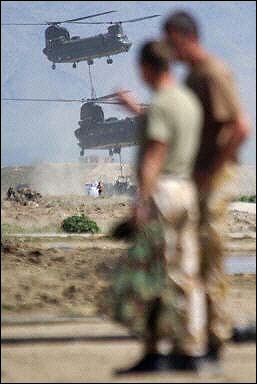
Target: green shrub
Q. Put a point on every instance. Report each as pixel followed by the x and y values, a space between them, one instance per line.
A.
pixel 11 228
pixel 80 224
pixel 248 199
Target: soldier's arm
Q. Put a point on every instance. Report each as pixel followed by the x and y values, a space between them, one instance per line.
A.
pixel 150 168
pixel 228 113
pixel 232 137
pixel 129 102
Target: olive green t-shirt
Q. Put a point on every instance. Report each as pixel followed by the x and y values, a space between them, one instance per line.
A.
pixel 174 117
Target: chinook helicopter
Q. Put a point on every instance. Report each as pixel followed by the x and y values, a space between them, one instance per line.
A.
pixel 97 132
pixel 60 47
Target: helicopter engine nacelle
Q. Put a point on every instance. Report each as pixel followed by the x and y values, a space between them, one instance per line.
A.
pixel 91 112
pixel 55 33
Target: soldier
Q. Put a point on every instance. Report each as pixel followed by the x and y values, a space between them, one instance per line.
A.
pixel 19 198
pixel 157 292
pixel 38 196
pixel 28 194
pixel 11 193
pixel 100 188
pixel 225 129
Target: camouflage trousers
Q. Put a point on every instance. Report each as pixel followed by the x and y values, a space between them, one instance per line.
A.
pixel 161 274
pixel 213 211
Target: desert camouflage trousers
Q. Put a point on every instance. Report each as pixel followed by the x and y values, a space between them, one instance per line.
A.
pixel 213 212
pixel 161 274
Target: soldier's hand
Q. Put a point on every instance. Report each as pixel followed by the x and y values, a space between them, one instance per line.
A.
pixel 140 216
pixel 129 102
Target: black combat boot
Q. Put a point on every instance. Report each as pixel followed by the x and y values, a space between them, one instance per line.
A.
pixel 151 362
pixel 244 334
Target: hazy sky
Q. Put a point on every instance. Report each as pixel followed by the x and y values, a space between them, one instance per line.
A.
pixel 40 131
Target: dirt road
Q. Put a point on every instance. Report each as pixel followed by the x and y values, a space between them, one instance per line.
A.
pixel 95 363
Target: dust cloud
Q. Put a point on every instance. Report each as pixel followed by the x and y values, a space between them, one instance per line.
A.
pixel 70 178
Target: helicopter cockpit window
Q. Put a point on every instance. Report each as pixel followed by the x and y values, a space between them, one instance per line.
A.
pixel 91 112
pixel 115 30
pixel 55 32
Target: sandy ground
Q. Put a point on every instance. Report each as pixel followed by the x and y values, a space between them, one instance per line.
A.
pixel 61 277
pixel 61 281
pixel 64 277
pixel 243 207
pixel 40 280
pixel 62 187
pixel 95 363
pixel 80 362
pixel 70 178
pixel 49 214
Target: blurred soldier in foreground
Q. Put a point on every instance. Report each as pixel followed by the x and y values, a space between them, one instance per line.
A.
pixel 157 292
pixel 225 129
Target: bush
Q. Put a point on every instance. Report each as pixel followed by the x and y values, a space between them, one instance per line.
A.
pixel 248 199
pixel 80 224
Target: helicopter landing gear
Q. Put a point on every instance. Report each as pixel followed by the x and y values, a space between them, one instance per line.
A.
pixel 90 62
pixel 53 66
pixel 74 65
pixel 109 60
pixel 82 152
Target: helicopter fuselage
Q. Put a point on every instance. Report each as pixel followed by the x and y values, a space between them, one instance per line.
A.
pixel 63 49
pixel 107 134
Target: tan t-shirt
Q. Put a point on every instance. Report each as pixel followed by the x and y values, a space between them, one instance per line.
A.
pixel 214 85
pixel 175 118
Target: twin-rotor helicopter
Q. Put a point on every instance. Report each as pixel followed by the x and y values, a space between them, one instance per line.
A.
pixel 95 131
pixel 60 47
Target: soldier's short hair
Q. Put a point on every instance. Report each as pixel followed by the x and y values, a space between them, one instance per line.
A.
pixel 156 54
pixel 182 22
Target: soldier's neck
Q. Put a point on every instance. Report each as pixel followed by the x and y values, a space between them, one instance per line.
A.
pixel 198 56
pixel 165 81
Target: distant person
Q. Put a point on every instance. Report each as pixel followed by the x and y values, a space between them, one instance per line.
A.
pixel 94 190
pixel 100 188
pixel 158 292
pixel 11 193
pixel 225 129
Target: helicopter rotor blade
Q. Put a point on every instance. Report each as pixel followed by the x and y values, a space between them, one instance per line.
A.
pixel 80 18
pixel 99 100
pixel 119 22
pixel 139 19
pixel 109 102
pixel 92 22
pixel 22 24
pixel 44 100
pixel 106 97
pixel 60 22
pixel 119 103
